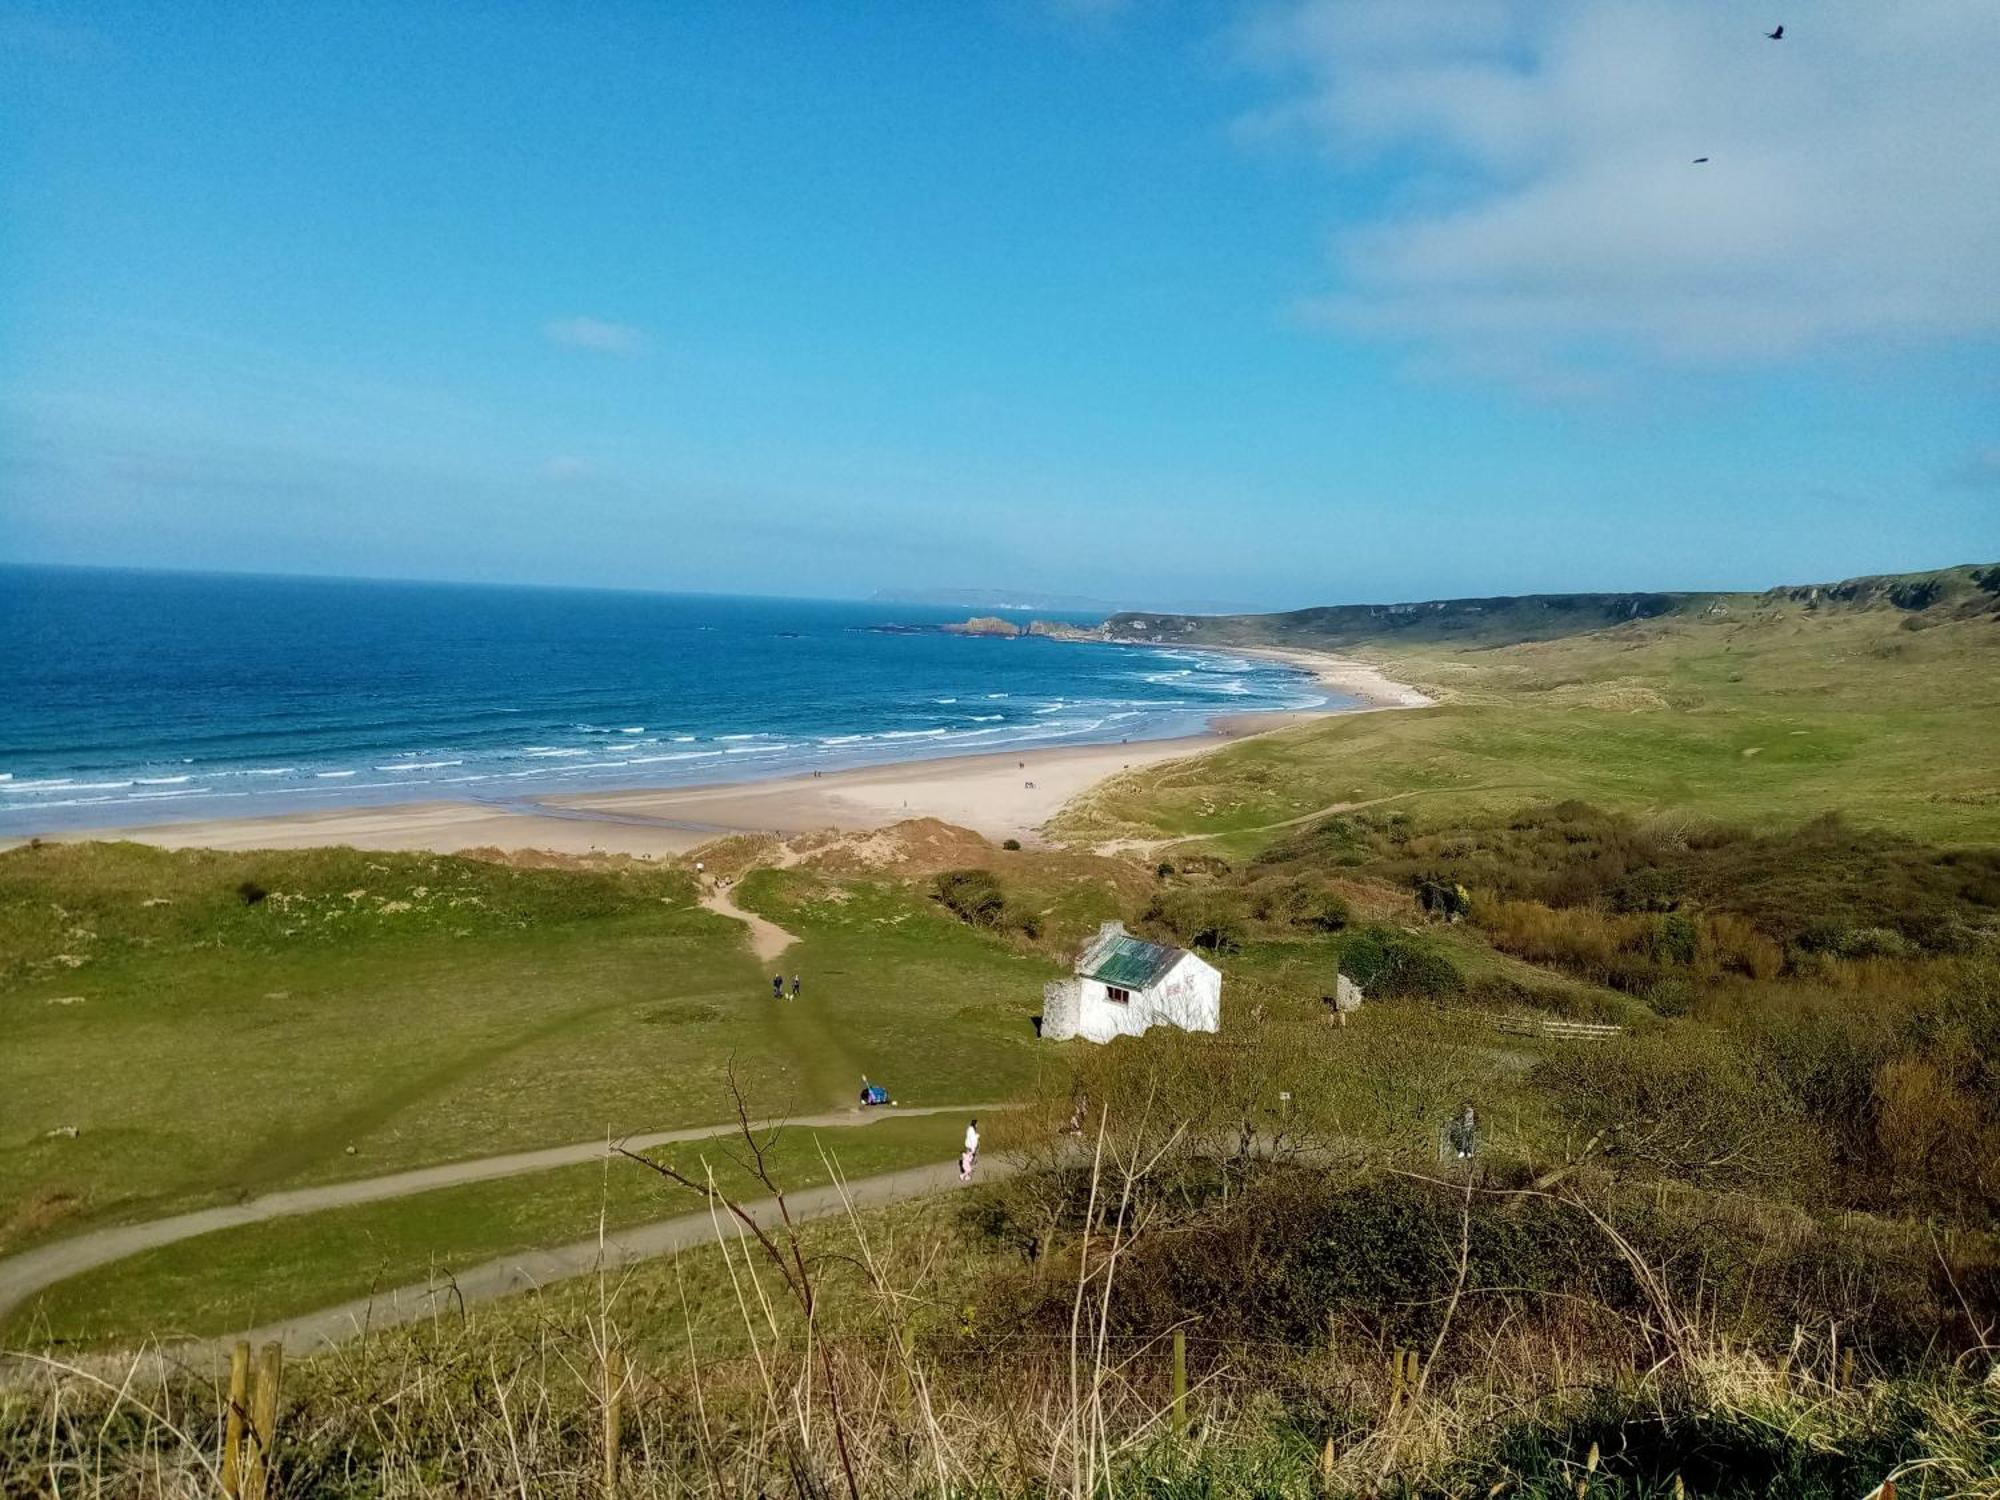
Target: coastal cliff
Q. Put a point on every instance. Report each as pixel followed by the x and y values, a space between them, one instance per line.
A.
pixel 1001 629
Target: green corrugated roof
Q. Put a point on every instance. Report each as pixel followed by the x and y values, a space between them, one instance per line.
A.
pixel 1131 963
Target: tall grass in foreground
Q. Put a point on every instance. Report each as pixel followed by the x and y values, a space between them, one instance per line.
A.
pixel 839 1367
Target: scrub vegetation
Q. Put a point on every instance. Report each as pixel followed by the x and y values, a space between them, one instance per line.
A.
pixel 1699 910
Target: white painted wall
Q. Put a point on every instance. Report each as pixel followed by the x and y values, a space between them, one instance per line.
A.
pixel 1189 995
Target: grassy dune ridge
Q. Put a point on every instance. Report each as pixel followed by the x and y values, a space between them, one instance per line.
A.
pixel 1777 715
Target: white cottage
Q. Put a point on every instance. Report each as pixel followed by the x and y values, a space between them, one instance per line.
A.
pixel 1123 985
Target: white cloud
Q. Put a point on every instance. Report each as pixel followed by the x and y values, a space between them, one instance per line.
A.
pixel 1980 471
pixel 1543 219
pixel 595 333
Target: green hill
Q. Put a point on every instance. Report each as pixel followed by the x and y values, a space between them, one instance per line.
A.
pixel 1947 593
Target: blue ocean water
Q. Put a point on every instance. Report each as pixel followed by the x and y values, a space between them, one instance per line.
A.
pixel 136 697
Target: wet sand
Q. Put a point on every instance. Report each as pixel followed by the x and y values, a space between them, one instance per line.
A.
pixel 1003 795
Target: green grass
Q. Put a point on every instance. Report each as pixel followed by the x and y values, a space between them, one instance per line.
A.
pixel 238 1278
pixel 1759 721
pixel 422 1009
pixel 900 990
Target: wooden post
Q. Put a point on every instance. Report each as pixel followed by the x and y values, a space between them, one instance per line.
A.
pixel 614 1417
pixel 263 1436
pixel 1180 1382
pixel 232 1420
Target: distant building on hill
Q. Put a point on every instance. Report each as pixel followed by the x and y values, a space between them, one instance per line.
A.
pixel 1123 985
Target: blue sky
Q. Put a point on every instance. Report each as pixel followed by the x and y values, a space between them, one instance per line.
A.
pixel 1165 302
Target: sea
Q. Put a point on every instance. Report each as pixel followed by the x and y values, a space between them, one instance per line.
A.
pixel 137 697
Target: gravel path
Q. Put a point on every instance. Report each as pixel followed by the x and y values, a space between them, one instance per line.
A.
pixel 530 1270
pixel 21 1276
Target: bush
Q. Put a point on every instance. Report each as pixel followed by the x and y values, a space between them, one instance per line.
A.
pixel 1010 843
pixel 251 892
pixel 1203 917
pixel 1389 963
pixel 1303 903
pixel 973 895
pixel 1681 1102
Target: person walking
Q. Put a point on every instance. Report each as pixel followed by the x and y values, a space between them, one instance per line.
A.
pixel 777 986
pixel 972 1140
pixel 795 986
pixel 1464 1135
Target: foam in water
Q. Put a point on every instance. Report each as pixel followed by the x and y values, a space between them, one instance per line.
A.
pixel 454 677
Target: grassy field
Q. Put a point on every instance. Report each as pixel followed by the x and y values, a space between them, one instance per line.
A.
pixel 242 1277
pixel 217 1025
pixel 1742 1247
pixel 1770 719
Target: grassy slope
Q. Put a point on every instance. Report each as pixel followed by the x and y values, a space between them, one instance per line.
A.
pixel 239 1278
pixel 1774 717
pixel 222 1049
pixel 1508 620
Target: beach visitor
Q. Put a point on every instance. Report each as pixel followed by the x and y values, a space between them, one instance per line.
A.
pixel 777 986
pixel 795 986
pixel 1464 1135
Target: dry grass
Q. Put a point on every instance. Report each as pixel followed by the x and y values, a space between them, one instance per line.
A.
pixel 848 1359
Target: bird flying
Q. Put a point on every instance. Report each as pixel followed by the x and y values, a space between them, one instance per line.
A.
pixel 1699 160
pixel 1776 36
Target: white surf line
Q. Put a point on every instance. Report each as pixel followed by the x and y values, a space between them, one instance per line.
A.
pixel 23 1275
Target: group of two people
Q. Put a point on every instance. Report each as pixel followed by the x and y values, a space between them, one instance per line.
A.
pixel 778 986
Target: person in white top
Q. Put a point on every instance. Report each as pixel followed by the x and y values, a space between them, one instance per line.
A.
pixel 969 1157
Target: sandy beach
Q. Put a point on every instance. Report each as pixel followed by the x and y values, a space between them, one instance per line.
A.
pixel 1006 795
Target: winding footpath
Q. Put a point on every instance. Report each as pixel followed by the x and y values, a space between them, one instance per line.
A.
pixel 768 940
pixel 611 1255
pixel 23 1275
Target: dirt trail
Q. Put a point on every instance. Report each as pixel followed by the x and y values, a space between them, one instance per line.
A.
pixel 1146 848
pixel 21 1276
pixel 531 1270
pixel 768 940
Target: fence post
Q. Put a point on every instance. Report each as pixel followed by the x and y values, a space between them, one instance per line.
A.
pixel 263 1441
pixel 1180 1382
pixel 614 1417
pixel 232 1420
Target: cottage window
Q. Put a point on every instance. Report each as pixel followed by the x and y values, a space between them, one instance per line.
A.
pixel 1117 996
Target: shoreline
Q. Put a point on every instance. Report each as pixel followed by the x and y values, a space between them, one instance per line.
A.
pixel 997 794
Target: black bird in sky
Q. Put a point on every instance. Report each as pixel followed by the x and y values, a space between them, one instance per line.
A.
pixel 1699 160
pixel 1776 36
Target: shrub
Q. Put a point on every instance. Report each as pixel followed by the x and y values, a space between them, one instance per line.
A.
pixel 974 895
pixel 251 892
pixel 1303 903
pixel 1682 1103
pixel 1677 940
pixel 1389 963
pixel 1203 917
pixel 1010 843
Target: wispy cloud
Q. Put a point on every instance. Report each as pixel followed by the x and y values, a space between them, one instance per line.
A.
pixel 1980 471
pixel 1543 213
pixel 598 334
